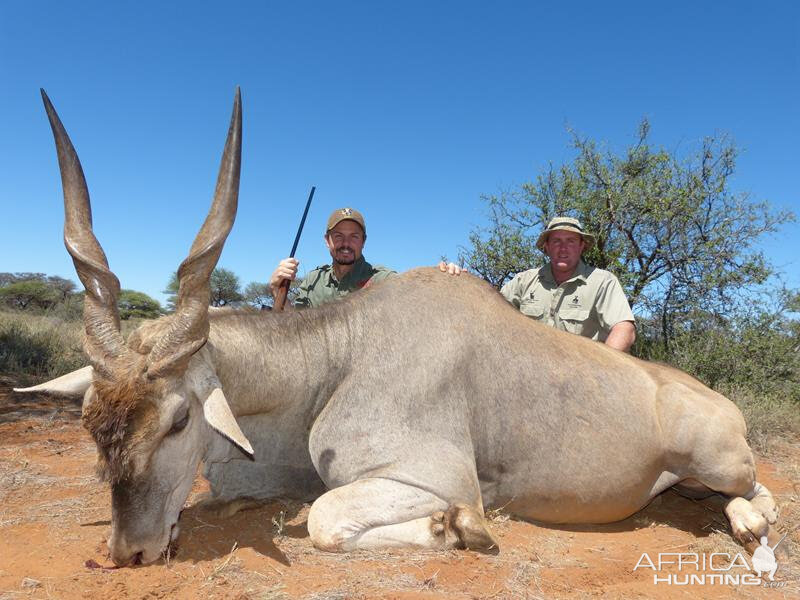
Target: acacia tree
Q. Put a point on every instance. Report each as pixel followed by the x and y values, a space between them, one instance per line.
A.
pixel 669 226
pixel 29 294
pixel 133 304
pixel 258 294
pixel 225 288
pixel 24 290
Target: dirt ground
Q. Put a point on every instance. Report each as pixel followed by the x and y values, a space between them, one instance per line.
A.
pixel 55 519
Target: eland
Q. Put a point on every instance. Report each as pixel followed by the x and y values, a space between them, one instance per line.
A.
pixel 403 410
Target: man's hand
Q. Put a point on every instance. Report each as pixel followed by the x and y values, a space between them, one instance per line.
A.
pixel 451 268
pixel 287 269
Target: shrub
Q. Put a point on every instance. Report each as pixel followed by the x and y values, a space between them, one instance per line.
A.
pixel 767 417
pixel 34 348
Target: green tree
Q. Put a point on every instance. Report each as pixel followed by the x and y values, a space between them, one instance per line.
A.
pixel 9 278
pixel 29 294
pixel 757 350
pixel 65 287
pixel 225 288
pixel 171 292
pixel 668 225
pixel 500 251
pixel 133 304
pixel 39 290
pixel 258 294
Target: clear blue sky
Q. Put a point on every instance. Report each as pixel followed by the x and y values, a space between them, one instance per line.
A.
pixel 409 111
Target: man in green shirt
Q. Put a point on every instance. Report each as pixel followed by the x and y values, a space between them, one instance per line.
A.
pixel 568 294
pixel 349 271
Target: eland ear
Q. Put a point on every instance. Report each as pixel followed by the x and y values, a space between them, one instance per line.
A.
pixel 219 416
pixel 72 384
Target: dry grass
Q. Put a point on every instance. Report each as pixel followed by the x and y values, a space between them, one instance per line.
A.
pixel 252 585
pixel 47 497
pixel 279 524
pixel 786 465
pixel 340 593
pixel 380 577
pixel 769 420
pixel 719 540
pixel 498 520
pixel 525 578
pixel 19 473
pixel 263 591
pixel 73 509
pixel 38 347
pixel 224 568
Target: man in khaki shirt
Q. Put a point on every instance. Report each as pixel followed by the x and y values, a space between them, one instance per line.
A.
pixel 568 294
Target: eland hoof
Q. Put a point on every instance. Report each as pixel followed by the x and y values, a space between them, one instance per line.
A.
pixel 470 527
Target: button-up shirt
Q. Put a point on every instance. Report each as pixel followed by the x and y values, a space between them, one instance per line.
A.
pixel 589 303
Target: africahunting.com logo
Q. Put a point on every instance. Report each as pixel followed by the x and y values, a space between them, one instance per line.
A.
pixel 716 568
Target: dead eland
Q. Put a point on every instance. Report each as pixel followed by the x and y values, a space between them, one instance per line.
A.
pixel 405 409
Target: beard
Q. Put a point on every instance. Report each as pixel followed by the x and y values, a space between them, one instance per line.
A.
pixel 347 258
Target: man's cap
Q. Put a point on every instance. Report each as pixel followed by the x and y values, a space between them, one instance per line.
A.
pixel 345 214
pixel 565 224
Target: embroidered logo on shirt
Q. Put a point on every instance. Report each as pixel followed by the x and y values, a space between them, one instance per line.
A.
pixel 575 302
pixel 531 296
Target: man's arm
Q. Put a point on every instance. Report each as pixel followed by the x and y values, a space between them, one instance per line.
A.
pixel 612 307
pixel 622 336
pixel 511 290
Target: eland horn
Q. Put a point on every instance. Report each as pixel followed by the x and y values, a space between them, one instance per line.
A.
pixel 189 329
pixel 103 342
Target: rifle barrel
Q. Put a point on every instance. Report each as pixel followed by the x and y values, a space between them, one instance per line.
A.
pixel 302 221
pixel 283 291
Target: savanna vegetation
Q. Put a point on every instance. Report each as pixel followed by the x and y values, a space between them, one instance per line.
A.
pixel 226 290
pixel 683 243
pixel 41 325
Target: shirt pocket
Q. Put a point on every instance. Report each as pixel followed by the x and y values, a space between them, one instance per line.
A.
pixel 574 318
pixel 532 308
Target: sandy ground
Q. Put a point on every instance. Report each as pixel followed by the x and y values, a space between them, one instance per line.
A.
pixel 55 519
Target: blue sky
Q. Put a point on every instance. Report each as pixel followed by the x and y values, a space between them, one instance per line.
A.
pixel 408 111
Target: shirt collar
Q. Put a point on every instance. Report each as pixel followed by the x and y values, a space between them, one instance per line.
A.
pixel 360 267
pixel 581 273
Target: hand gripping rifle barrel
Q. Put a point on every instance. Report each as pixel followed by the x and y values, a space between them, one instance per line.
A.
pixel 283 290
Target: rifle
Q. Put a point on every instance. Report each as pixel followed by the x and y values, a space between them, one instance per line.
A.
pixel 283 290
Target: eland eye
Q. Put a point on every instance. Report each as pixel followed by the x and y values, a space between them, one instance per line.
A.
pixel 180 424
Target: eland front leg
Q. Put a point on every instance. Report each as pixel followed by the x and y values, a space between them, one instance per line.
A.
pixel 706 440
pixel 379 514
